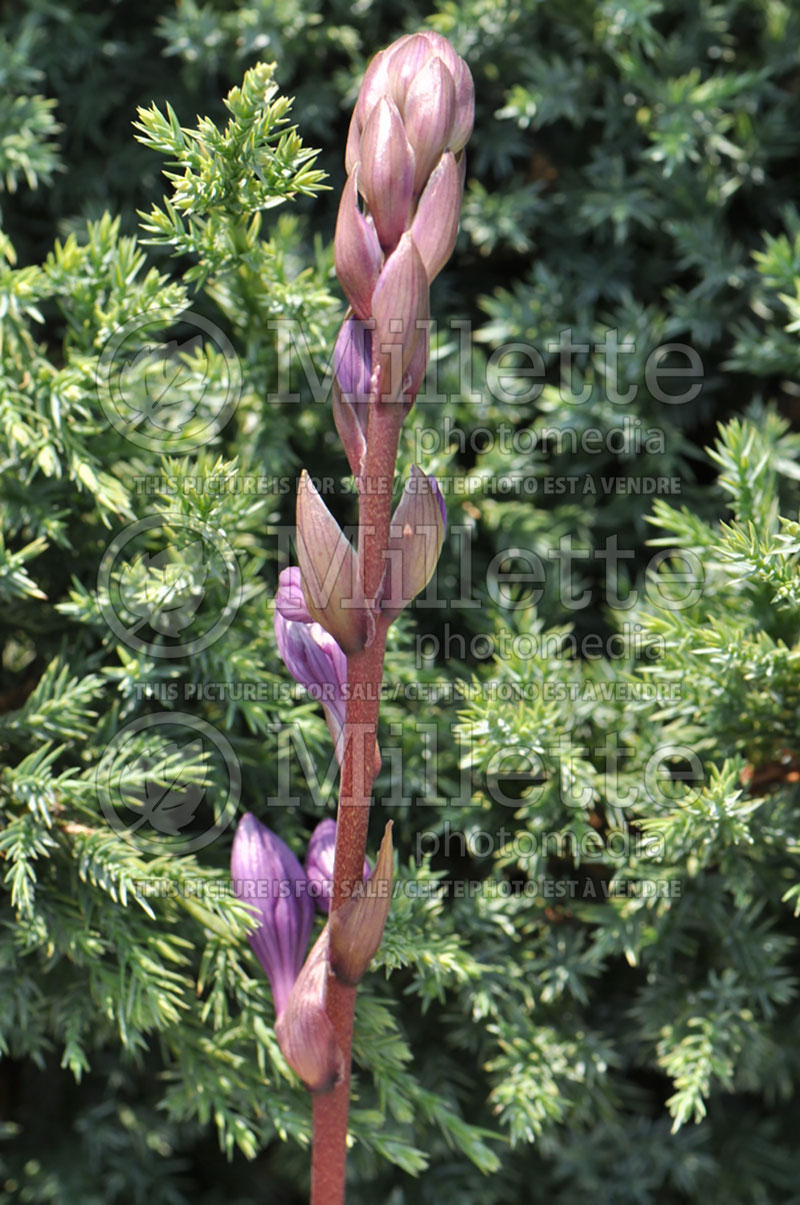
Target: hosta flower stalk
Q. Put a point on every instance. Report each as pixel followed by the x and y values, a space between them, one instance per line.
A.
pixel 396 228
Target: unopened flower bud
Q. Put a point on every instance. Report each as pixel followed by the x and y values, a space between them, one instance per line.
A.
pixel 352 364
pixel 268 877
pixel 465 107
pixel 356 927
pixel 415 541
pixel 314 659
pixel 401 308
pixel 386 177
pixel 319 863
pixel 435 224
pixel 304 1031
pixel 464 88
pixel 428 117
pixel 290 600
pixel 405 59
pixel 356 250
pixel 329 570
pixel 373 86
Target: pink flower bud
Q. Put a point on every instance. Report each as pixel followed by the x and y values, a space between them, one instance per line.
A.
pixel 465 107
pixel 304 1031
pixel 387 172
pixel 356 927
pixel 428 115
pixel 464 89
pixel 439 45
pixel 352 151
pixel 415 542
pixel 356 250
pixel 435 224
pixel 373 86
pixel 405 59
pixel 400 301
pixel 329 570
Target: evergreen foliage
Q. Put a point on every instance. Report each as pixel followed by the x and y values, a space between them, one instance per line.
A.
pixel 587 987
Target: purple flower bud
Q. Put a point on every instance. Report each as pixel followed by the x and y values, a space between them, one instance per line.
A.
pixel 435 224
pixel 261 868
pixel 356 928
pixel 352 363
pixel 319 863
pixel 356 250
pixel 387 172
pixel 400 302
pixel 289 597
pixel 314 659
pixel 428 115
pixel 329 570
pixel 415 541
pixel 304 1031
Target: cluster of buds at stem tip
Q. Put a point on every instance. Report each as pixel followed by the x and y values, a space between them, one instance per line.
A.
pixel 397 223
pixel 280 895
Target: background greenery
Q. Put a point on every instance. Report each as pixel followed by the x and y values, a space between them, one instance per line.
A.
pixel 633 168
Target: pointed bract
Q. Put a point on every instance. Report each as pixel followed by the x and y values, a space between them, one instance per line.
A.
pixel 415 542
pixel 415 373
pixel 348 425
pixel 373 86
pixel 329 570
pixel 386 176
pixel 400 302
pixel 404 62
pixel 268 877
pixel 465 107
pixel 435 224
pixel 429 114
pixel 356 250
pixel 304 1032
pixel 352 150
pixel 356 928
pixel 440 46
